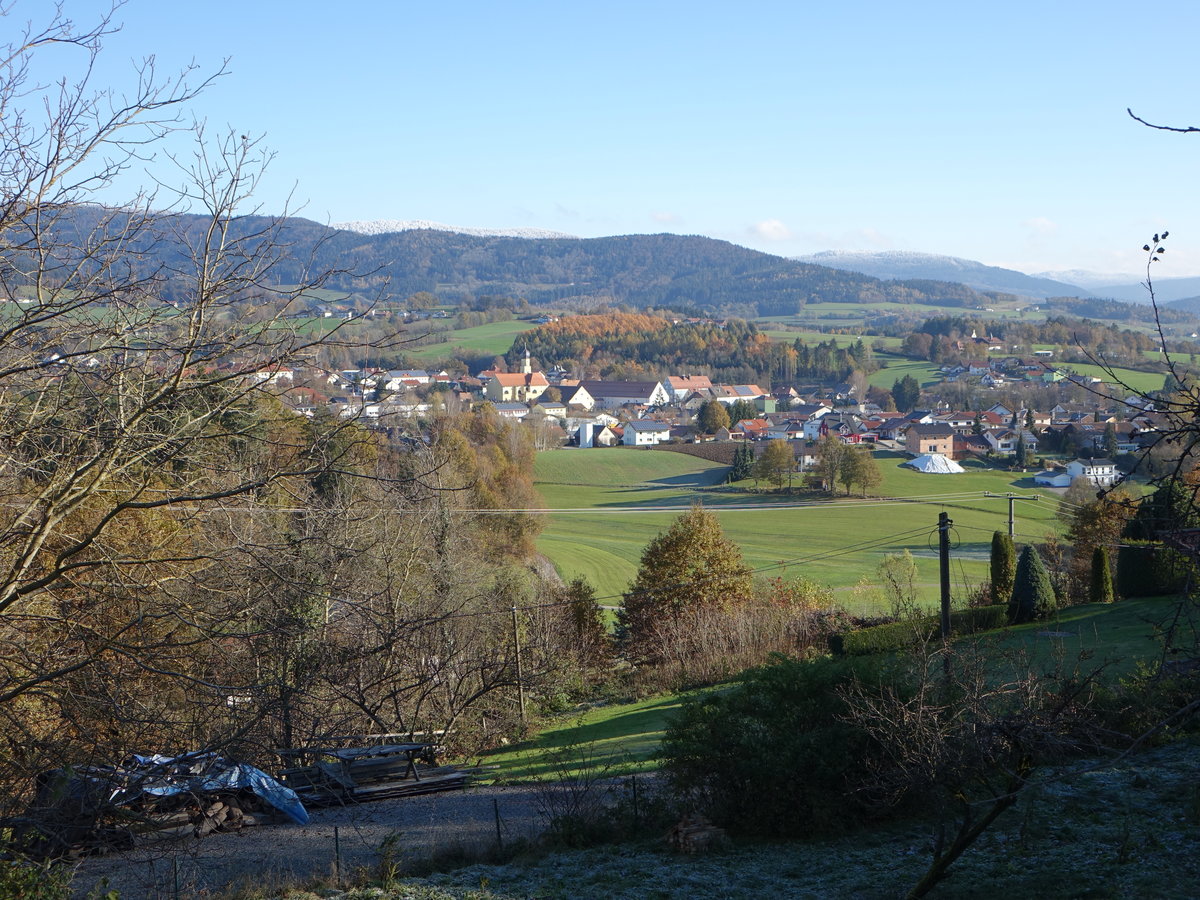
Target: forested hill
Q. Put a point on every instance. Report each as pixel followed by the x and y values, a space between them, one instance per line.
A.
pixel 639 270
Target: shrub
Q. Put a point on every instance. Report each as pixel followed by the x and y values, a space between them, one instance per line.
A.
pixel 902 635
pixel 1147 569
pixel 883 638
pixel 711 644
pixel 1033 592
pixel 34 881
pixel 774 754
pixel 979 618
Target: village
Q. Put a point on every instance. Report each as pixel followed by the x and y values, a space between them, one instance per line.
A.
pixel 1071 438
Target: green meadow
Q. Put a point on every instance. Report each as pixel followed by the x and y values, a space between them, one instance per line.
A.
pixel 620 738
pixel 837 314
pixel 898 366
pixel 1128 378
pixel 789 334
pixel 492 339
pixel 615 501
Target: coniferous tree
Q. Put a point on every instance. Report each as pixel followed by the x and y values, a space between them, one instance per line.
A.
pixel 743 462
pixel 1033 592
pixel 1004 566
pixel 907 393
pixel 1101 588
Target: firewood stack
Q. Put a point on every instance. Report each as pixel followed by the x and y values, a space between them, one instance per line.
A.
pixel 694 834
pixel 223 813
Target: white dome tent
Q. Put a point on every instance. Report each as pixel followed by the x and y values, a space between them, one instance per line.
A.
pixel 935 464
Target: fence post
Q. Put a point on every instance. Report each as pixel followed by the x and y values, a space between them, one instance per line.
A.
pixel 496 810
pixel 337 856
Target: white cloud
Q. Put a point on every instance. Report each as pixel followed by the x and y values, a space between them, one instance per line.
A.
pixel 771 230
pixel 666 218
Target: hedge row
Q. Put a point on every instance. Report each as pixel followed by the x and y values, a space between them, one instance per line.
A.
pixel 898 635
pixel 1146 569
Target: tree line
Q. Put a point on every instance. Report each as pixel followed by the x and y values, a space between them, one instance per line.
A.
pixel 629 345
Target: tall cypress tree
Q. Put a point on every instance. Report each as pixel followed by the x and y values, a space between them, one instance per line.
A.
pixel 1004 566
pixel 1101 588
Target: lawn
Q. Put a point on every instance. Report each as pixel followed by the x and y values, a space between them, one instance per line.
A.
pixel 817 337
pixel 621 499
pixel 492 339
pixel 826 313
pixel 1117 636
pixel 621 739
pixel 898 366
pixel 1143 382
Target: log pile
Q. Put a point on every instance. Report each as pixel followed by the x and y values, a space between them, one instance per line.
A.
pixel 224 813
pixel 694 834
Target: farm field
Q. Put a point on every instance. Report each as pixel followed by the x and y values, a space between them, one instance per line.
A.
pixel 1130 378
pixel 851 313
pixel 621 499
pixel 788 335
pixel 494 338
pixel 898 366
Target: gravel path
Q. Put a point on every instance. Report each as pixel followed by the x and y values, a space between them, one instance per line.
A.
pixel 268 853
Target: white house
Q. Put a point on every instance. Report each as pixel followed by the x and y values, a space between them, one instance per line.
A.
pixel 398 379
pixel 615 394
pixel 1052 478
pixel 1100 472
pixel 577 395
pixel 645 433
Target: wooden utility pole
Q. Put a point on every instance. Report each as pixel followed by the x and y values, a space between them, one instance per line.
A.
pixel 520 676
pixel 944 523
pixel 1012 512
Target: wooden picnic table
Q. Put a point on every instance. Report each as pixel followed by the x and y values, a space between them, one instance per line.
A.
pixel 329 771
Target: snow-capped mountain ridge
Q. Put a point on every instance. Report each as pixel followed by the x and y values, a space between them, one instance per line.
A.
pixel 391 226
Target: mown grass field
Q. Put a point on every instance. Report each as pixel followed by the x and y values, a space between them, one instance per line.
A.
pixel 898 366
pixel 621 739
pixel 833 314
pixel 788 335
pixel 621 499
pixel 494 339
pixel 1129 378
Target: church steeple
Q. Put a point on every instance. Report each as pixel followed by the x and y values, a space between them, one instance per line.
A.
pixel 527 366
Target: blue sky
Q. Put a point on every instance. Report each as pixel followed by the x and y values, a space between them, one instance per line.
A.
pixel 994 132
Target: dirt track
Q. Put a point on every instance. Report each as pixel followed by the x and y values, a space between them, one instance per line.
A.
pixel 268 853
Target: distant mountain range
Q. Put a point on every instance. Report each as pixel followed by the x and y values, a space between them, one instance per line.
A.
pixel 685 273
pixel 392 226
pixel 661 270
pixel 904 264
pixel 1166 290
